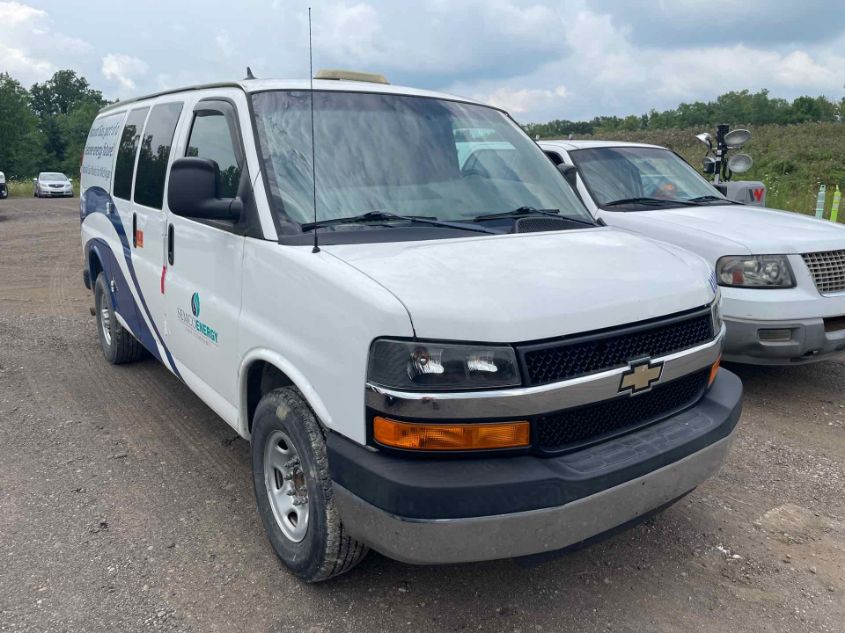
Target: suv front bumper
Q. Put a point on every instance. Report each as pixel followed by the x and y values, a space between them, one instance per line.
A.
pixel 428 511
pixel 801 340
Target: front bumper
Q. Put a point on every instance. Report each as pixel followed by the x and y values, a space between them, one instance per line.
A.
pixel 429 511
pixel 807 341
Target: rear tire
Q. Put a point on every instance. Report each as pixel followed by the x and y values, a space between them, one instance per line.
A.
pixel 293 490
pixel 118 345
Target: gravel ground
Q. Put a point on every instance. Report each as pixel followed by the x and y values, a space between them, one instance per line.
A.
pixel 126 504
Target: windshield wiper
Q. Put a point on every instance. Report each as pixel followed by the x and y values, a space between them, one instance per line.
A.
pixel 516 213
pixel 710 198
pixel 382 216
pixel 646 201
pixel 524 211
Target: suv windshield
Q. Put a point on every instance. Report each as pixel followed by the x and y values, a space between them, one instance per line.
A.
pixel 629 176
pixel 412 156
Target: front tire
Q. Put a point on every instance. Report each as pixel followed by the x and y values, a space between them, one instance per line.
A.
pixel 118 345
pixel 293 490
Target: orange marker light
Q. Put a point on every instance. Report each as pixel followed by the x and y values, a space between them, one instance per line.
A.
pixel 451 437
pixel 713 371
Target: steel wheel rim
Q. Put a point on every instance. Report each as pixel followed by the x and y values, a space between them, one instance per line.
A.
pixel 284 481
pixel 105 323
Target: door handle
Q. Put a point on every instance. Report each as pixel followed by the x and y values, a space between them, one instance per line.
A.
pixel 170 244
pixel 135 230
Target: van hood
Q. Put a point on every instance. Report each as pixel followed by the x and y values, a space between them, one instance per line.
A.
pixel 520 287
pixel 760 230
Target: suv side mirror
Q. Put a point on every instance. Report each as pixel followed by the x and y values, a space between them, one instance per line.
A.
pixel 193 191
pixel 570 173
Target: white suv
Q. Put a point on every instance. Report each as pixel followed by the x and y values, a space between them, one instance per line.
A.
pixel 435 361
pixel 782 274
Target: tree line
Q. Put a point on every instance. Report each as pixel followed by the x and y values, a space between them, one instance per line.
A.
pixel 44 128
pixel 736 108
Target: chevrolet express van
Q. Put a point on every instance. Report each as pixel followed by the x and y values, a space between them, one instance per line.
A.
pixel 431 359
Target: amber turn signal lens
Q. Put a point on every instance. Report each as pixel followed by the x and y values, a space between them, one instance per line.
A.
pixel 713 371
pixel 450 437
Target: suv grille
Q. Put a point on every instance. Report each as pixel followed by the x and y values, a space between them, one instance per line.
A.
pixel 827 269
pixel 574 427
pixel 563 359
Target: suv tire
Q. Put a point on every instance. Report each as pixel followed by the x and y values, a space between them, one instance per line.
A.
pixel 118 345
pixel 293 490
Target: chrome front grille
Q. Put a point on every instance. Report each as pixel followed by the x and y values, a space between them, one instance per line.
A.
pixel 828 270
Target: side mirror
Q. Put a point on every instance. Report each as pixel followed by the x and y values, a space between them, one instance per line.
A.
pixel 570 173
pixel 193 191
pixel 35 180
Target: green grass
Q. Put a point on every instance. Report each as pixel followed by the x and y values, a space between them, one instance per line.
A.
pixel 19 188
pixel 790 159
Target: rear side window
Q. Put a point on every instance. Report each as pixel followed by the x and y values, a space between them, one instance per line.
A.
pixel 125 163
pixel 210 138
pixel 155 152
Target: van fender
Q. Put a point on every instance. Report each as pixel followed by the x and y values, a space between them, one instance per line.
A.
pixel 296 377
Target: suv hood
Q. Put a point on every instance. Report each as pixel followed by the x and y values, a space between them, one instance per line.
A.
pixel 760 230
pixel 530 286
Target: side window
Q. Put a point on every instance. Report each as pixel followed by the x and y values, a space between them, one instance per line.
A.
pixel 155 152
pixel 211 138
pixel 125 162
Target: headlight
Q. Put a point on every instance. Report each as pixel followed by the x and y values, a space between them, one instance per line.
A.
pixel 755 271
pixel 422 366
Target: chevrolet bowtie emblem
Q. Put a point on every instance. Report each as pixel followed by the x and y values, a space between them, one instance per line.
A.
pixel 640 376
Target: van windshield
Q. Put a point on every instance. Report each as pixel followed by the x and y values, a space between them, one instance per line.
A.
pixel 400 154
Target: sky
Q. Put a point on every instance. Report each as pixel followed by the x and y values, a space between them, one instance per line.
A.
pixel 570 59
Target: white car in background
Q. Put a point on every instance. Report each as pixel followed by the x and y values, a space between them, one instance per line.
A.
pixel 4 191
pixel 51 184
pixel 782 274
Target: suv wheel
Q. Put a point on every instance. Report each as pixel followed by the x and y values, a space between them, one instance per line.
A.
pixel 293 490
pixel 118 345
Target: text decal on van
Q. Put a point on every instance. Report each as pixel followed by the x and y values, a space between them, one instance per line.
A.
pixel 201 331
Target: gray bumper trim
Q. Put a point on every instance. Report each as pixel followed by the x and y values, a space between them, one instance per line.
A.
pixel 442 541
pixel 808 342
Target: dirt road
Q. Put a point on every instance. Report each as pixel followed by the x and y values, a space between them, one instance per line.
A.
pixel 126 504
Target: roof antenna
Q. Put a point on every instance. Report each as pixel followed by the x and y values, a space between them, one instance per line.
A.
pixel 249 74
pixel 316 248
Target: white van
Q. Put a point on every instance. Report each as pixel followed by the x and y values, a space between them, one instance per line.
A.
pixel 444 366
pixel 782 274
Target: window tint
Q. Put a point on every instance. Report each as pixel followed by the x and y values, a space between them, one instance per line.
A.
pixel 125 163
pixel 210 138
pixel 155 151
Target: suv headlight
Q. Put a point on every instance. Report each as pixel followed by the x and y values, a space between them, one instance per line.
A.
pixel 423 366
pixel 755 271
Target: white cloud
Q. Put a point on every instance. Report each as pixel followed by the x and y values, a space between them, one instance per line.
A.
pixel 606 72
pixel 124 69
pixel 226 45
pixel 525 100
pixel 30 47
